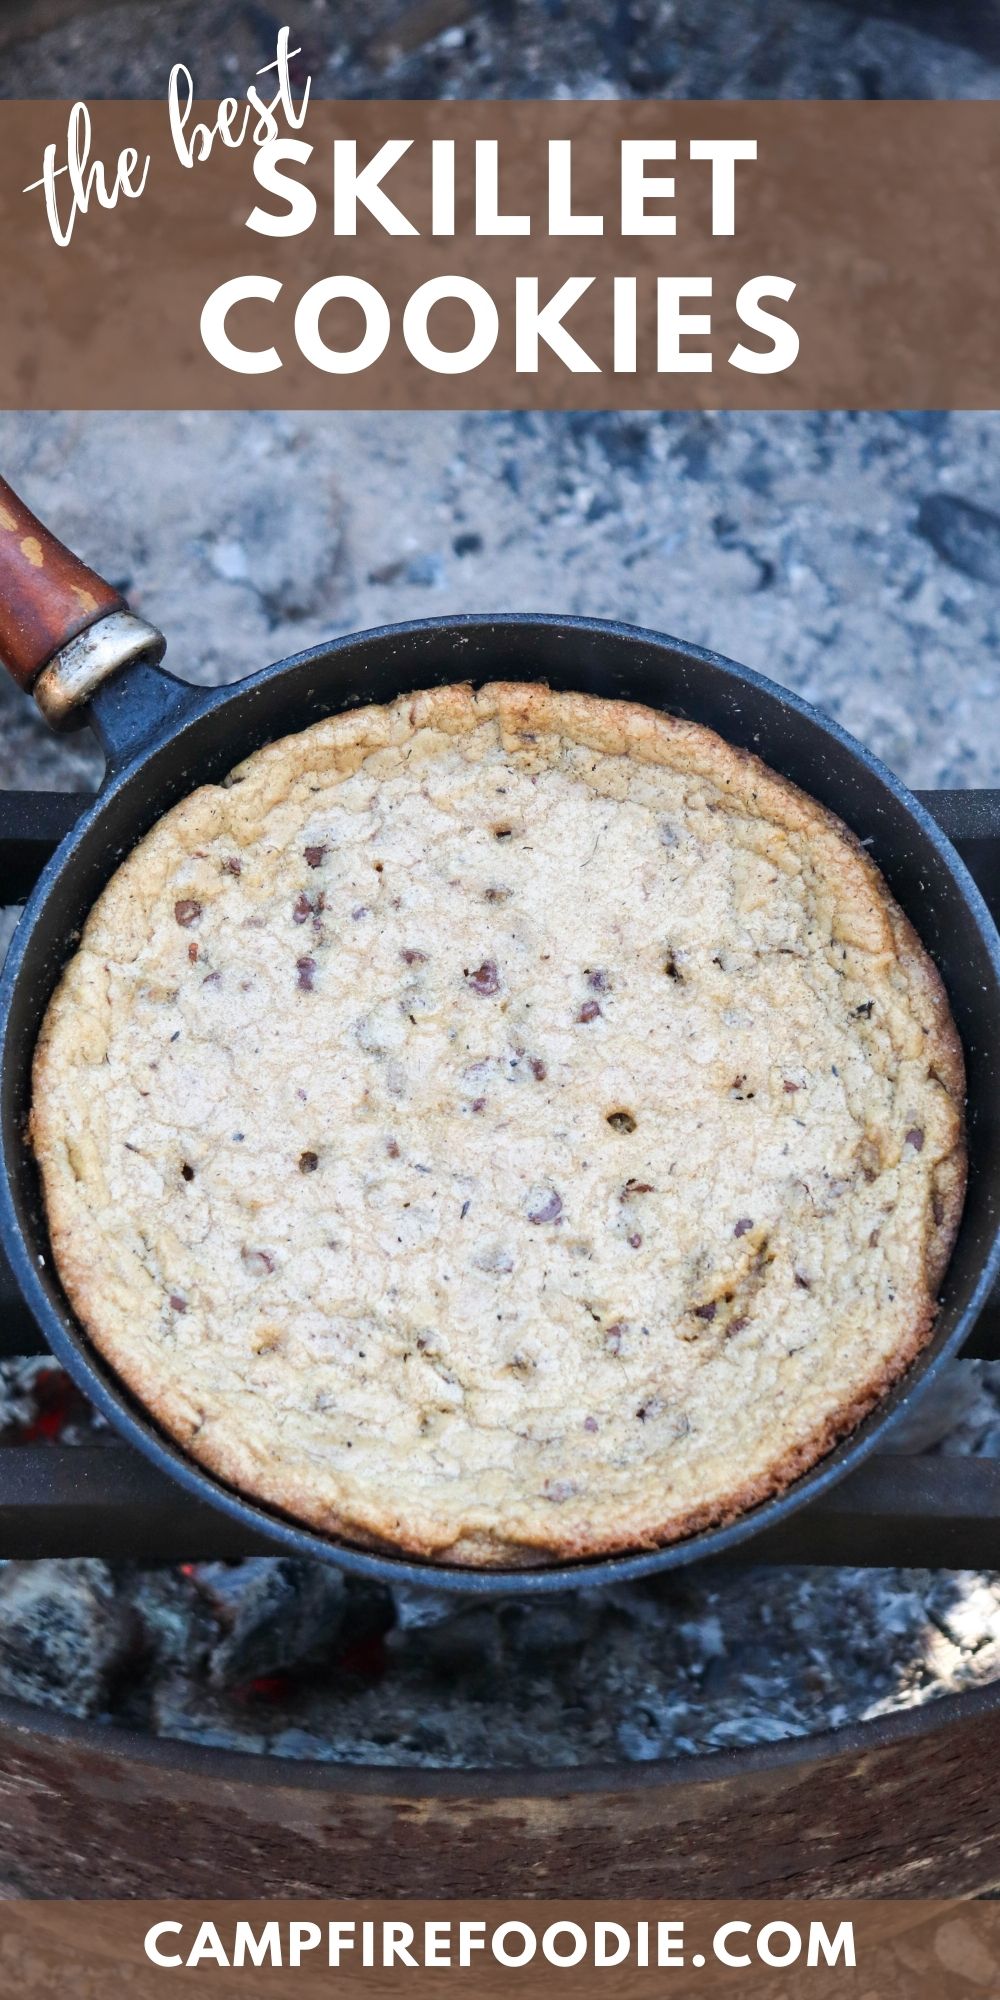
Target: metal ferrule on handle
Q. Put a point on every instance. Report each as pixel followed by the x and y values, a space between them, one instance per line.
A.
pixel 79 668
pixel 63 629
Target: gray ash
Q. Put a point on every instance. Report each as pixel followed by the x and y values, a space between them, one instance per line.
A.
pixel 524 48
pixel 288 1658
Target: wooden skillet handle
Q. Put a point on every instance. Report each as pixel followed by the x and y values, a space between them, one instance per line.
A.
pixel 47 595
pixel 49 600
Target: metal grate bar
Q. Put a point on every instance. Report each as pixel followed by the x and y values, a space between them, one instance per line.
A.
pixel 923 1513
pixel 31 826
pixel 105 1500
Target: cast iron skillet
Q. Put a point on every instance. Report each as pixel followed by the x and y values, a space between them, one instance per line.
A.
pixel 68 636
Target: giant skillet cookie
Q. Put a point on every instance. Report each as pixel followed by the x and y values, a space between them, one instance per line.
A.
pixel 502 1126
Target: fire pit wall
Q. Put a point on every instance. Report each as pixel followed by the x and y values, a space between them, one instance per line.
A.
pixel 903 1808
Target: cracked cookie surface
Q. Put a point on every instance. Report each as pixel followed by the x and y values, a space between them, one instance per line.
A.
pixel 502 1126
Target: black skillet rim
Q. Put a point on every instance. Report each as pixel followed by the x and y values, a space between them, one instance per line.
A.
pixel 127 1416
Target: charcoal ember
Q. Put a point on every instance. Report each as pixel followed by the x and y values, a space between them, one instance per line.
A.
pixel 641 1736
pixel 38 1402
pixel 272 1613
pixel 371 1610
pixel 469 1645
pixel 701 1640
pixel 68 1633
pixel 748 1669
pixel 414 1608
pixel 964 534
pixel 939 1409
pixel 18 1406
pixel 539 1634
pixel 977 1434
pixel 187 1711
pixel 176 1623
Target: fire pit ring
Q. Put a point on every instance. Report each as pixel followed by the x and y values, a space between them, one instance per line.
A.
pixel 904 1805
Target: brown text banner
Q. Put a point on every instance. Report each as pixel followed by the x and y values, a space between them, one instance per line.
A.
pixel 852 263
pixel 777 1951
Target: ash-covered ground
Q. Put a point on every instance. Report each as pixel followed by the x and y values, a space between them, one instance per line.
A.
pixel 854 558
pixel 512 48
